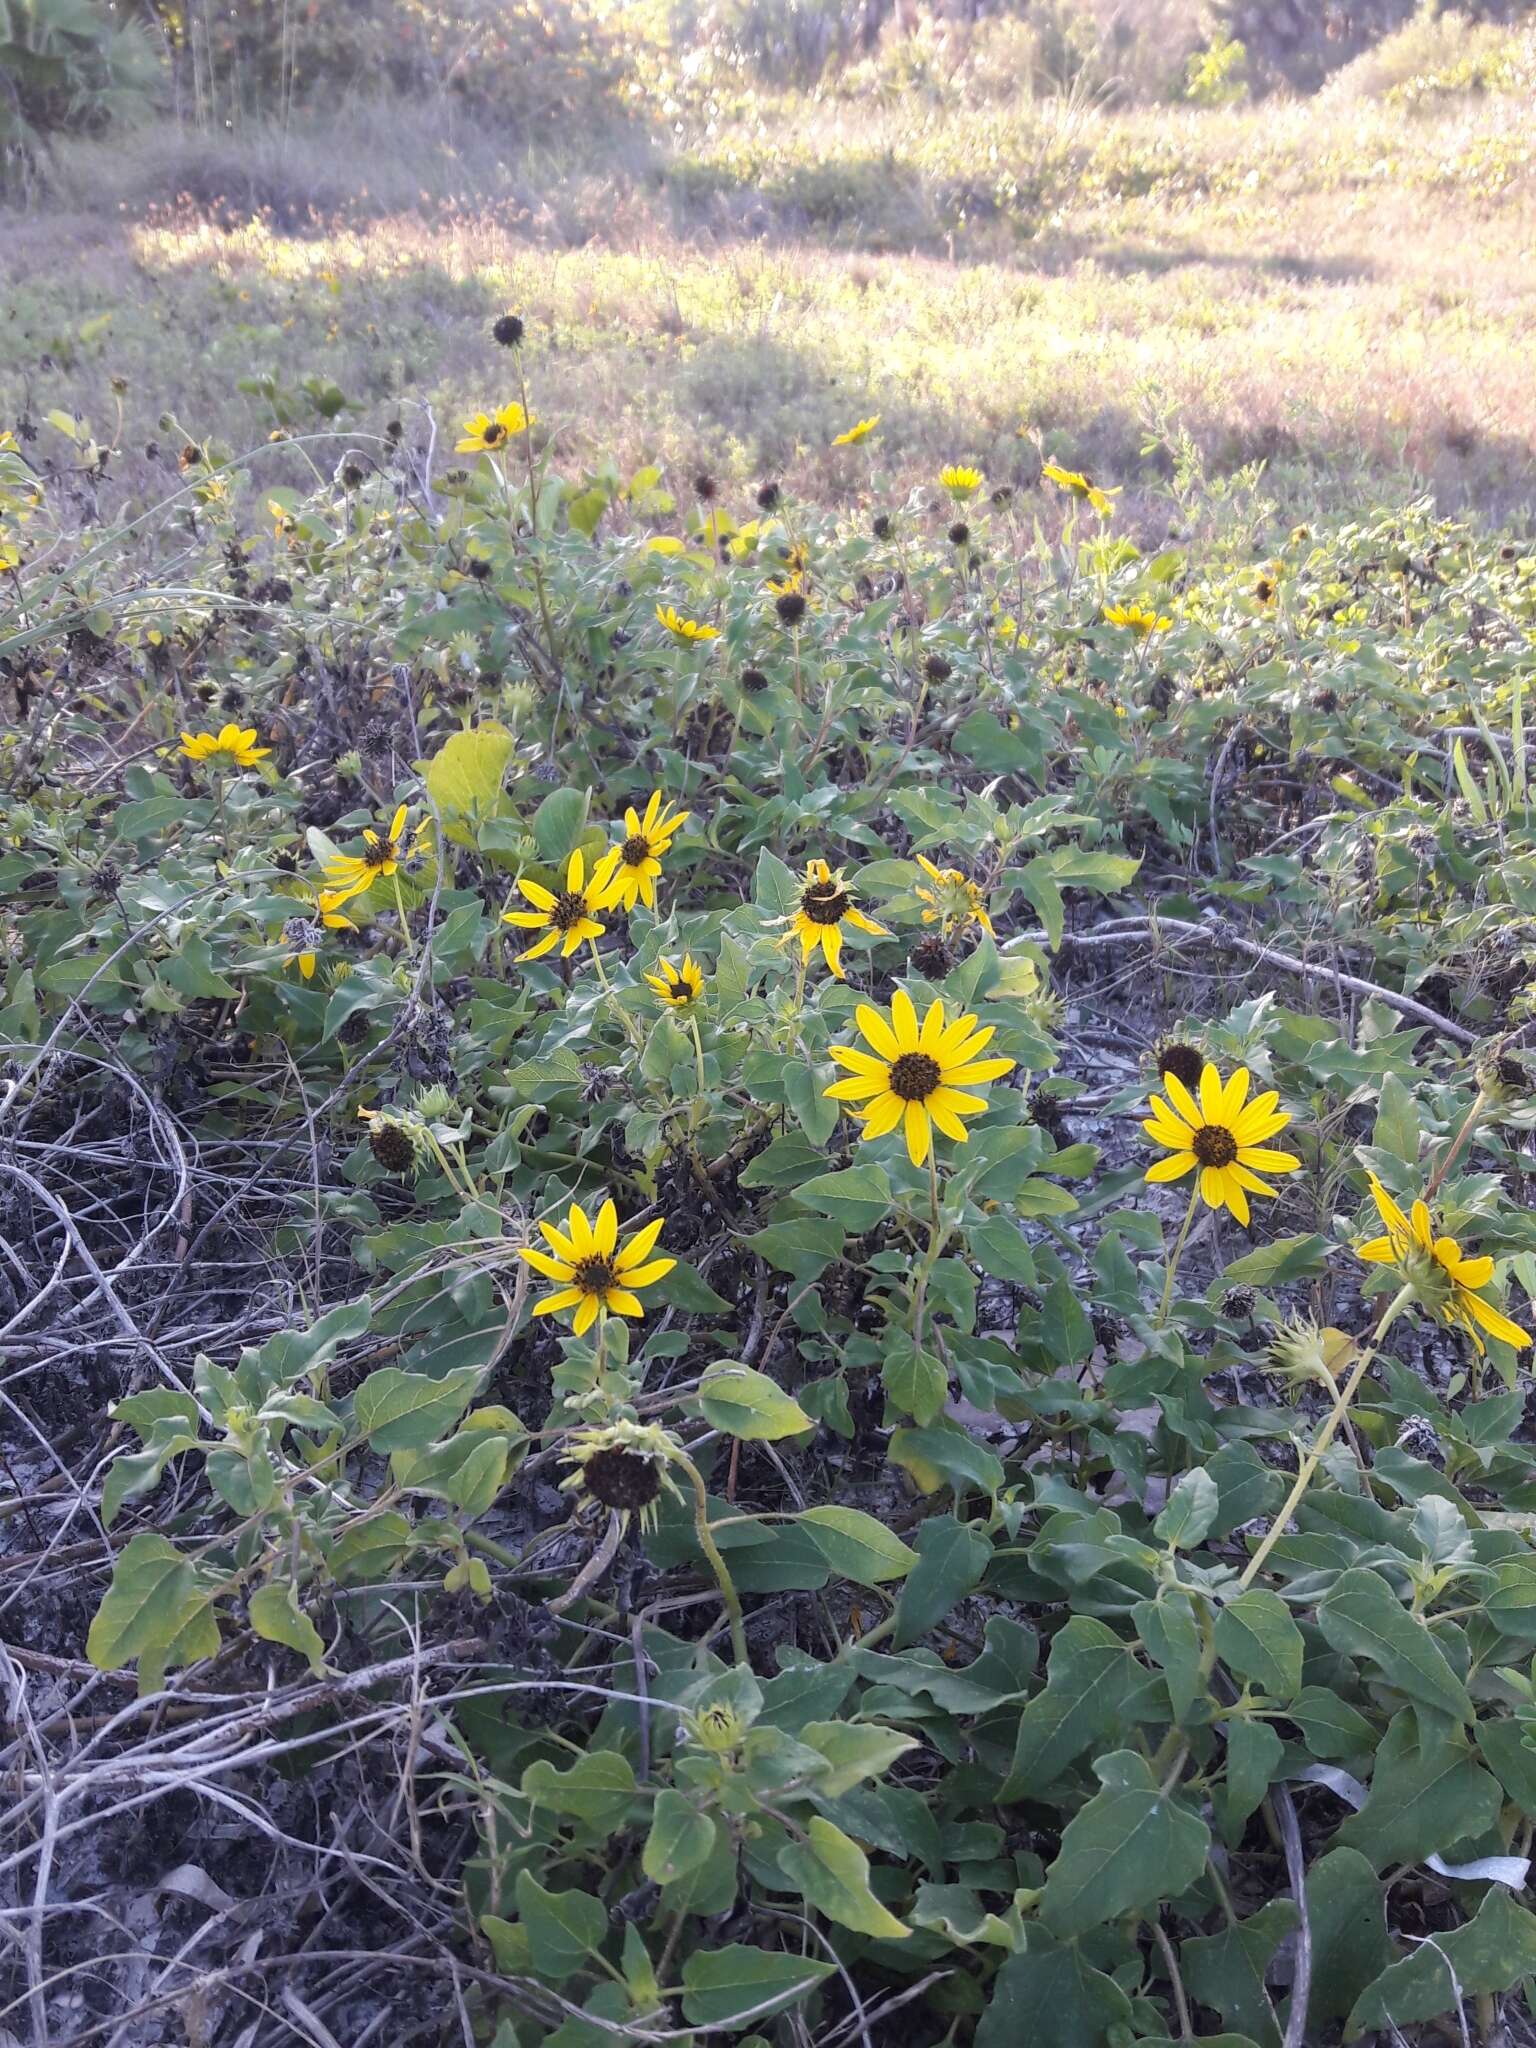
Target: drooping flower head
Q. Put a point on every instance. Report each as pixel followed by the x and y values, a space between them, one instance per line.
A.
pixel 954 901
pixel 566 917
pixel 1082 486
pixel 915 1075
pixel 621 1467
pixel 859 431
pixel 645 845
pixel 679 987
pixel 1137 619
pixel 826 905
pixel 684 628
pixel 349 874
pixel 1222 1134
pixel 233 746
pixel 491 430
pixel 593 1273
pixel 1444 1278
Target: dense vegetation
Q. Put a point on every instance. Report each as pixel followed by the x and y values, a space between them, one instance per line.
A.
pixel 766 1262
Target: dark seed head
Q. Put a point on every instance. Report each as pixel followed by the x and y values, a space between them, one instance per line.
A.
pixel 932 957
pixel 621 1479
pixel 1326 701
pixel 507 332
pixel 107 880
pixel 768 497
pixel 391 1147
pixel 351 476
pixel 355 1029
pixel 914 1076
pixel 191 455
pixel 479 568
pixel 937 669
pixel 1184 1062
pixel 790 607
pixel 1215 1145
pixel 881 525
pixel 959 533
pixel 753 681
pixel 1239 1303
pixel 705 487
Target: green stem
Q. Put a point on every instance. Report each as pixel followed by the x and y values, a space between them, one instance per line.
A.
pixel 1178 1253
pixel 717 1564
pixel 1326 1434
pixel 405 926
pixel 698 1049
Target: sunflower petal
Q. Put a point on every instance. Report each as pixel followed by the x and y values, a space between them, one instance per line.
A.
pixel 1266 1161
pixel 876 1030
pixel 918 1132
pixel 1173 1168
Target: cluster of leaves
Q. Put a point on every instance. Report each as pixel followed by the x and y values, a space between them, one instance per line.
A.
pixel 996 1633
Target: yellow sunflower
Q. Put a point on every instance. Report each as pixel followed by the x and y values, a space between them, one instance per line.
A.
pixel 1223 1134
pixel 645 846
pixel 1137 619
pixel 233 746
pixel 305 933
pixel 593 1273
pixel 954 901
pixel 860 431
pixel 349 874
pixel 959 481
pixel 916 1075
pixel 1447 1280
pixel 826 905
pixel 684 628
pixel 679 987
pixel 1081 486
pixel 566 918
pixel 487 431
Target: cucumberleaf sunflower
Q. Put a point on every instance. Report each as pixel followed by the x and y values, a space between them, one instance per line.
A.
pixel 593 1273
pixel 1222 1134
pixel 915 1075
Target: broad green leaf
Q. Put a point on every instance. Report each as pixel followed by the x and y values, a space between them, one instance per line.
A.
pixel 1423 1800
pixel 749 1405
pixel 951 1558
pixel 1287 1258
pixel 153 1591
pixel 680 1839
pixel 858 1197
pixel 915 1380
pixel 1491 1953
pixel 598 1788
pixel 1130 1845
pixel 277 1617
pixel 406 1411
pixel 944 1454
pixel 467 772
pixel 832 1874
pixel 1089 1676
pixel 1361 1616
pixel 1051 1997
pixel 858 1547
pixel 371 1549
pixel 564 1928
pixel 1226 1970
pixel 734 1986
pixel 1257 1639
pixel 1346 1910
pixel 855 1750
pixel 1186 1519
pixel 1397 1121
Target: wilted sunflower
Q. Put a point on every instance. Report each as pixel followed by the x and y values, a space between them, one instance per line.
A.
pixel 349 874
pixel 916 1075
pixel 679 987
pixel 646 844
pixel 826 905
pixel 684 628
pixel 1223 1134
pixel 1137 619
pixel 954 901
pixel 566 917
pixel 1444 1278
pixel 1081 486
pixel 488 431
pixel 960 481
pixel 233 746
pixel 622 1467
pixel 594 1274
pixel 860 431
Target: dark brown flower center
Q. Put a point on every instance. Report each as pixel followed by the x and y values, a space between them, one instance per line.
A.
pixel 914 1076
pixel 494 434
pixel 567 910
pixel 680 992
pixel 621 1479
pixel 636 850
pixel 1215 1146
pixel 593 1276
pixel 825 903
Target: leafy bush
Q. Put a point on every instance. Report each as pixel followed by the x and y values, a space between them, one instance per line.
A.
pixel 67 65
pixel 730 1190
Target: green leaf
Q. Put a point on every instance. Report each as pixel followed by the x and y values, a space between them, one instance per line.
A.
pixel 805 1090
pixel 1050 1997
pixel 832 1874
pixel 858 1547
pixel 858 1197
pixel 277 1617
pixel 1089 1676
pixel 1361 1616
pixel 1423 1800
pixel 1186 1519
pixel 749 1405
pixel 406 1411
pixel 1257 1639
pixel 915 1380
pixel 467 773
pixel 152 1594
pixel 1397 1121
pixel 1130 1845
pixel 944 1454
pixel 369 1550
pixel 1254 1760
pixel 564 1928
pixel 1226 1971
pixel 680 1839
pixel 855 1750
pixel 731 1986
pixel 951 1558
pixel 1490 1954
pixel 1346 1910
pixel 598 1788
